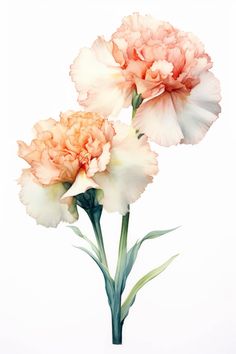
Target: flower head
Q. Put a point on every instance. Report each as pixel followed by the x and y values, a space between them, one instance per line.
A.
pixel 167 67
pixel 59 150
pixel 131 167
pixel 81 151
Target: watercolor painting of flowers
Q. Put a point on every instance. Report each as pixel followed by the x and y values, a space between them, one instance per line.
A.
pixel 166 67
pixel 88 159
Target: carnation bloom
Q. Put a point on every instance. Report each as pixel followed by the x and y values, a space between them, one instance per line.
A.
pixel 167 67
pixel 81 151
pixel 131 167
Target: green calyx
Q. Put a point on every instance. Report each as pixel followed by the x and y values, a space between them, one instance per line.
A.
pixel 89 201
pixel 136 101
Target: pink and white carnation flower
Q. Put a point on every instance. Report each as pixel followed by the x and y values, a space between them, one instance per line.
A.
pixel 81 151
pixel 167 67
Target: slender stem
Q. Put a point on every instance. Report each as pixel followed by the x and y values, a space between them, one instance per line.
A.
pixel 122 249
pixel 117 323
pixel 133 112
pixel 98 234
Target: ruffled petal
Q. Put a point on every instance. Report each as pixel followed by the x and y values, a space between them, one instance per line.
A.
pixel 103 51
pixel 100 163
pixel 45 171
pixel 200 110
pixel 178 117
pixel 44 125
pixel 99 80
pixel 131 168
pixel 44 202
pixel 148 89
pixel 158 120
pixel 81 184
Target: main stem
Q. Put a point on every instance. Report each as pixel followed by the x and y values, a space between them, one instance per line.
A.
pixel 122 249
pixel 117 324
pixel 95 219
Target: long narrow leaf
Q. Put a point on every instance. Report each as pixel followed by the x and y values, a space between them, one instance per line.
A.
pixel 131 257
pixel 146 278
pixel 133 252
pixel 155 234
pixel 109 282
pixel 80 234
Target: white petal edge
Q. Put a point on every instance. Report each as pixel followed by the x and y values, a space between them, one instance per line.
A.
pixel 100 163
pixel 44 202
pixel 173 118
pixel 99 81
pixel 200 110
pixel 131 168
pixel 158 120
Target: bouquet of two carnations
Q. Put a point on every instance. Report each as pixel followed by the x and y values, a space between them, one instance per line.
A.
pixel 87 160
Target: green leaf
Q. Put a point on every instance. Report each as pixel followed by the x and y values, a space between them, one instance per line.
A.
pixel 92 245
pixel 121 263
pixel 155 234
pixel 109 282
pixel 146 278
pixel 130 259
pixel 133 252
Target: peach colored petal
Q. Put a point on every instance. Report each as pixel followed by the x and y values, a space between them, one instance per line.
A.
pixel 104 158
pixel 162 47
pixel 118 54
pixel 80 140
pixel 45 171
pixel 44 125
pixel 100 163
pixel 26 153
pixel 163 68
pixel 148 88
pixel 81 184
pixel 138 68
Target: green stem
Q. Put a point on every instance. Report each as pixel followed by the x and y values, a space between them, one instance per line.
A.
pixel 95 220
pixel 121 263
pixel 134 110
pixel 117 323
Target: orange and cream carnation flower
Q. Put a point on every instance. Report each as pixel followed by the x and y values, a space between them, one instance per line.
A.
pixel 167 67
pixel 81 151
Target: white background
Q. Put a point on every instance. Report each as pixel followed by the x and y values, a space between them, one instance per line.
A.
pixel 52 296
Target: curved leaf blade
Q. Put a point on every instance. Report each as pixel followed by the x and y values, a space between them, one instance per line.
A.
pixel 109 282
pixel 156 233
pixel 131 257
pixel 80 234
pixel 145 279
pixel 133 252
